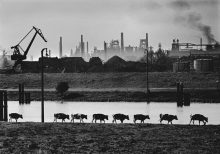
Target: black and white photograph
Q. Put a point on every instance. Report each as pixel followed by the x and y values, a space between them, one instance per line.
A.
pixel 109 76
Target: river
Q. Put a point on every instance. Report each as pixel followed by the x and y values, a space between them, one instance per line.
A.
pixel 32 111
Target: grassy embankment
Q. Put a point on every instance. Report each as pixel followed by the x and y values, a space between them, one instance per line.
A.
pixel 108 138
pixel 124 81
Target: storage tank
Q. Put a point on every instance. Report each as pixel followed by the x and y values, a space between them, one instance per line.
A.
pixel 203 65
pixel 181 67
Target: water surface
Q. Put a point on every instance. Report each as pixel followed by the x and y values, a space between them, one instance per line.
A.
pixel 32 112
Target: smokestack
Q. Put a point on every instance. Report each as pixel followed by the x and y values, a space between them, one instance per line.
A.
pixel 87 46
pixel 61 47
pixel 201 43
pixel 49 53
pixel 105 50
pixel 122 42
pixel 71 53
pixel 146 40
pixel 82 46
pixel 32 58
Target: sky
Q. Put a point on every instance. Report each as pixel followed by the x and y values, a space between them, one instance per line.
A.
pixel 104 20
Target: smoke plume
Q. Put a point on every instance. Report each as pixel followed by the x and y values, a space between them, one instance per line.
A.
pixel 184 13
pixel 180 5
pixel 195 20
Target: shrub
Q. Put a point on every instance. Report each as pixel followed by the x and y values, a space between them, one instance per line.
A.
pixel 62 87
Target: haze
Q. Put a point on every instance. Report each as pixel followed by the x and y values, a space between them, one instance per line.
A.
pixel 104 20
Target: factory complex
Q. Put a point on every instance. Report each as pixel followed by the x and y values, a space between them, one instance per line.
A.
pixel 117 57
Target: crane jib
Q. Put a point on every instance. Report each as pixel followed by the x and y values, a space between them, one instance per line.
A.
pixel 40 33
pixel 17 55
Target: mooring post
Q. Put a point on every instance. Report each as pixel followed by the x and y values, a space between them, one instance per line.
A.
pixel 187 97
pixel 22 92
pixel 179 94
pixel 1 105
pixel 19 93
pixel 5 106
pixel 27 97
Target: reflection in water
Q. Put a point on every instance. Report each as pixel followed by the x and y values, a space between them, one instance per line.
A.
pixel 179 113
pixel 32 112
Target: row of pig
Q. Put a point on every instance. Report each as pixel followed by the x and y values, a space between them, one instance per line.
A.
pixel 119 116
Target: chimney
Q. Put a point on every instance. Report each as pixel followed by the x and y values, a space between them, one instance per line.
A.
pixel 105 50
pixel 61 47
pixel 87 45
pixel 82 46
pixel 201 43
pixel 122 42
pixel 71 53
pixel 49 53
pixel 146 41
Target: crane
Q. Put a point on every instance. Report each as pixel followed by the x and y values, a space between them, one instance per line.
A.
pixel 17 55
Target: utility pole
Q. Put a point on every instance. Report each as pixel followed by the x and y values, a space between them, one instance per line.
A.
pixel 147 69
pixel 42 84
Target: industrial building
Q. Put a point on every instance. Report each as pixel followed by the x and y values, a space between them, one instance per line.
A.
pixel 116 56
pixel 179 50
pixel 113 48
pixel 195 57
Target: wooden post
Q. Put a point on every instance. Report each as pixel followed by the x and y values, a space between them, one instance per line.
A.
pixel 179 94
pixel 19 93
pixel 22 93
pixel 187 99
pixel 5 106
pixel 1 105
pixel 27 97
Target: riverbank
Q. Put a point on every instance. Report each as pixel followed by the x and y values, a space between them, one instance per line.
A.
pixel 156 95
pixel 108 138
pixel 114 87
pixel 111 80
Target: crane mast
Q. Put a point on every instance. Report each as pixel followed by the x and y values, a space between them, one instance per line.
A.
pixel 17 54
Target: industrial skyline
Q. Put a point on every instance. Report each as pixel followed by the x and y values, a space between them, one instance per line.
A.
pixel 113 48
pixel 100 21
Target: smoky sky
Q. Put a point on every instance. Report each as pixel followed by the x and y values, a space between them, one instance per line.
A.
pixel 180 5
pixel 104 20
pixel 184 14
